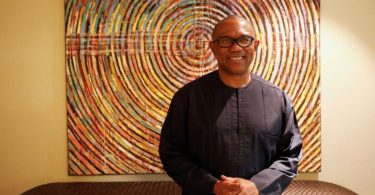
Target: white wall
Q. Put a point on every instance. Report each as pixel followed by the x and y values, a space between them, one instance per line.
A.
pixel 32 96
pixel 348 93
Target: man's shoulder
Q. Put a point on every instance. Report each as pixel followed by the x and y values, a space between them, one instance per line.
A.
pixel 201 83
pixel 269 89
pixel 264 83
pixel 272 91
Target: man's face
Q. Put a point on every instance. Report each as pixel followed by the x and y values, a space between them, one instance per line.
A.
pixel 234 60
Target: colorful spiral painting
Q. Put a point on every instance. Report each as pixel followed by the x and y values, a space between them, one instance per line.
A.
pixel 126 59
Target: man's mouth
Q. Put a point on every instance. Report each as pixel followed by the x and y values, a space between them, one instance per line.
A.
pixel 236 58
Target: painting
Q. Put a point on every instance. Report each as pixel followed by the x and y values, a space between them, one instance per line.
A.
pixel 126 59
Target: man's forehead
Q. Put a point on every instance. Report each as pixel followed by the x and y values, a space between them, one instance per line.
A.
pixel 233 23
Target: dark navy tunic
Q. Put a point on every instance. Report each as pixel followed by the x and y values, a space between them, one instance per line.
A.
pixel 212 129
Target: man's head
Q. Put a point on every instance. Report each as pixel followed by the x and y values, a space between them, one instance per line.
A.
pixel 234 59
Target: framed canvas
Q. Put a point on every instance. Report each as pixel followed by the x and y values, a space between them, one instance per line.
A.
pixel 126 59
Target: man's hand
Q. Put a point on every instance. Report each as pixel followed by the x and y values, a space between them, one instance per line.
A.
pixel 234 185
pixel 226 188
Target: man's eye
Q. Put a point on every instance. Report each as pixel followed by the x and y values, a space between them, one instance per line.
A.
pixel 226 40
pixel 244 40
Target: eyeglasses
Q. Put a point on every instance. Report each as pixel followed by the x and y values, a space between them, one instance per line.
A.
pixel 226 42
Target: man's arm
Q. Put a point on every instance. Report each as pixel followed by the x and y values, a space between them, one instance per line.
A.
pixel 173 152
pixel 277 177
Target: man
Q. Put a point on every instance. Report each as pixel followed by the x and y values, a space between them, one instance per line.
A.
pixel 231 132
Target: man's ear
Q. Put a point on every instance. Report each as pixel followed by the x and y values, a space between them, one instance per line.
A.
pixel 256 44
pixel 212 46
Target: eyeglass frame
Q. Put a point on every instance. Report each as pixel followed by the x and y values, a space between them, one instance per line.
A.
pixel 252 39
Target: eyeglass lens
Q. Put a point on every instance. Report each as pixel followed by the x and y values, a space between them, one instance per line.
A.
pixel 228 42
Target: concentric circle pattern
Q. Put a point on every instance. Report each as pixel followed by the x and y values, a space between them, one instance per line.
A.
pixel 126 59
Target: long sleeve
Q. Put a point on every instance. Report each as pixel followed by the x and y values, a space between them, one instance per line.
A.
pixel 276 178
pixel 173 152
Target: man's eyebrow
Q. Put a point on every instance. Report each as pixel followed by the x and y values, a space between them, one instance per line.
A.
pixel 228 36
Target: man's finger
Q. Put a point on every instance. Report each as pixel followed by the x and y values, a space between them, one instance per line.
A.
pixel 231 179
pixel 230 186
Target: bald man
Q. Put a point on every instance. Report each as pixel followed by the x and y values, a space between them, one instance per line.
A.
pixel 230 131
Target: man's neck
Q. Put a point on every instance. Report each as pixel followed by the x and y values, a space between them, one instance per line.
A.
pixel 235 80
